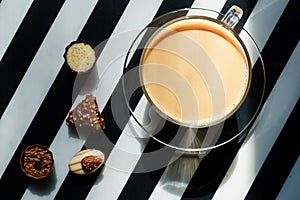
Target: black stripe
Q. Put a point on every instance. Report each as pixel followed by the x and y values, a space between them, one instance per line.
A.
pixel 275 59
pixel 140 185
pixel 168 6
pixel 214 166
pixel 279 161
pixel 24 46
pixel 76 187
pixel 277 50
pixel 57 103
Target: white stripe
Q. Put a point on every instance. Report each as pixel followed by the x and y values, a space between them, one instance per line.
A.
pixel 266 129
pixel 109 69
pixel 290 189
pixel 163 190
pixel 12 13
pixel 121 161
pixel 216 5
pixel 127 142
pixel 40 75
pixel 262 20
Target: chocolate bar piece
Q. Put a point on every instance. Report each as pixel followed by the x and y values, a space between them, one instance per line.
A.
pixel 86 115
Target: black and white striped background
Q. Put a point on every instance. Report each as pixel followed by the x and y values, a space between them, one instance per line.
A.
pixel 36 94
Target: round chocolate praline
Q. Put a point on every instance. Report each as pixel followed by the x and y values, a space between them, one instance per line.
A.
pixel 37 161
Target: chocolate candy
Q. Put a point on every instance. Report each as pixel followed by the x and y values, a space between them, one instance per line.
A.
pixel 86 161
pixel 80 56
pixel 36 161
pixel 86 115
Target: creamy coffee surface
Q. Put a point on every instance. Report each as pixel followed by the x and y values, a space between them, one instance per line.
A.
pixel 195 71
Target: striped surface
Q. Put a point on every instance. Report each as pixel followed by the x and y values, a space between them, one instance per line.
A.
pixel 36 94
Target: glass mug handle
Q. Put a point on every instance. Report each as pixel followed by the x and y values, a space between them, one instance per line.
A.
pixel 232 17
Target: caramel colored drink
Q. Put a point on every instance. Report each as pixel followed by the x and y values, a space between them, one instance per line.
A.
pixel 195 71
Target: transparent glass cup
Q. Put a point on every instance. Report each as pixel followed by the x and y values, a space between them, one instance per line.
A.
pixel 189 137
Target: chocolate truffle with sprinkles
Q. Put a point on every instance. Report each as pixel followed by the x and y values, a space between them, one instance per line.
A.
pixel 80 56
pixel 37 161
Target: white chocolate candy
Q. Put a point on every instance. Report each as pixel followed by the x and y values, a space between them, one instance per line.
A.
pixel 80 56
pixel 76 164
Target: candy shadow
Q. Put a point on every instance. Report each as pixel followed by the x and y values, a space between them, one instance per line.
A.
pixel 44 186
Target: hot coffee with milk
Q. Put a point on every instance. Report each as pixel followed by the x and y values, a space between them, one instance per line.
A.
pixel 195 71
